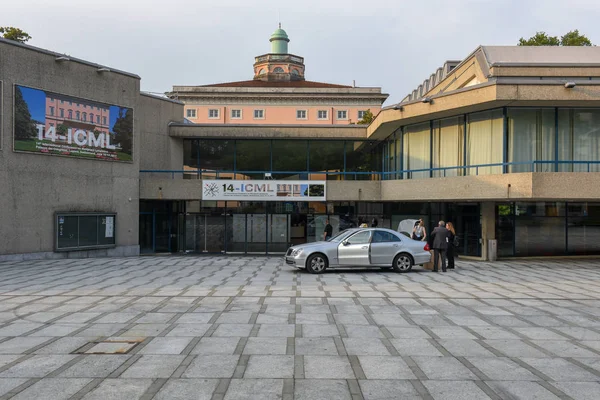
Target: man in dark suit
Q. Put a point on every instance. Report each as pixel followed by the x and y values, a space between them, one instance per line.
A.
pixel 439 240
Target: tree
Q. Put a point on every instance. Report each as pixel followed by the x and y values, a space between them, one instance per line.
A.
pixel 540 39
pixel 16 34
pixel 572 38
pixel 367 118
pixel 24 126
pixel 123 130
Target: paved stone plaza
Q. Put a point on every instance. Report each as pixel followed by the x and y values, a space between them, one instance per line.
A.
pixel 253 328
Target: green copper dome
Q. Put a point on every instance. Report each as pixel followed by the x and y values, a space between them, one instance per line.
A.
pixel 279 42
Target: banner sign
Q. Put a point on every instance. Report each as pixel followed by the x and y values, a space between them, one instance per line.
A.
pixel 269 190
pixel 51 123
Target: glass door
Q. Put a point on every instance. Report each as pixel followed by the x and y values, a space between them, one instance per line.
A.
pixel 279 233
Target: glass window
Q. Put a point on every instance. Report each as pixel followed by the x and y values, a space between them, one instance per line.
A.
pixel 326 156
pixel 190 154
pixel 417 150
pixel 70 114
pixel 300 114
pixel 485 142
pixel 361 114
pixel 236 114
pixel 51 110
pixel 448 149
pixel 583 228
pixel 259 114
pixel 213 113
pixel 103 120
pixel 278 70
pixel 322 114
pixel 360 238
pixel 91 118
pixel 62 112
pixel 77 115
pixel 253 155
pixel 579 139
pixel 290 155
pixel 359 159
pixel 84 117
pixel 342 114
pixel 216 156
pixel 530 138
pixel 384 237
pixel 191 113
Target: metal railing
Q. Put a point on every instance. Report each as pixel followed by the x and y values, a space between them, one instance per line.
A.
pixel 440 172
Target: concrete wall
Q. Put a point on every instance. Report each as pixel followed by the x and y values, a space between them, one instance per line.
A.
pixel 347 132
pixel 158 150
pixel 35 186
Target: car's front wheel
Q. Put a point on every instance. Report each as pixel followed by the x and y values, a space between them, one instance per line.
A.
pixel 403 263
pixel 316 263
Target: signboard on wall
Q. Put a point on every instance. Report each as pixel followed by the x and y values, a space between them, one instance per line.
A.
pixel 269 190
pixel 84 231
pixel 56 124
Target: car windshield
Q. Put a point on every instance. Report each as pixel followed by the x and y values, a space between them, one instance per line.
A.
pixel 340 236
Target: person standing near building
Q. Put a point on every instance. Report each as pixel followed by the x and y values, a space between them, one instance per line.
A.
pixel 451 244
pixel 419 232
pixel 439 239
pixel 328 230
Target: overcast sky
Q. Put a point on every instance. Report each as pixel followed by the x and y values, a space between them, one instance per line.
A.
pixel 391 44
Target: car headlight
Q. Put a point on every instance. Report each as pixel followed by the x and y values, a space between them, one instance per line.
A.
pixel 297 252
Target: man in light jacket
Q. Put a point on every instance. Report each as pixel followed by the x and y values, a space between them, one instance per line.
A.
pixel 439 240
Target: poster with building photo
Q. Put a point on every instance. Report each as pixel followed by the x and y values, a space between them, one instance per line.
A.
pixel 52 123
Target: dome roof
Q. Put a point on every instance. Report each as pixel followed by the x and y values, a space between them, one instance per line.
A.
pixel 279 34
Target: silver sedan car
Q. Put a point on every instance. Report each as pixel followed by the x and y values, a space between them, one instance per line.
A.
pixel 360 247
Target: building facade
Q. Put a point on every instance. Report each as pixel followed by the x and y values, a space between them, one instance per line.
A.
pixel 278 94
pixel 503 143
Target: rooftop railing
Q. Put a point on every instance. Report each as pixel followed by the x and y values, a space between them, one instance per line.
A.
pixel 441 172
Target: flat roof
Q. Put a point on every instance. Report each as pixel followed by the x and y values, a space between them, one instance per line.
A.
pixel 71 59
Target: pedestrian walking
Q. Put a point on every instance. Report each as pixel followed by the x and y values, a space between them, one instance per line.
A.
pixel 439 239
pixel 452 244
pixel 328 232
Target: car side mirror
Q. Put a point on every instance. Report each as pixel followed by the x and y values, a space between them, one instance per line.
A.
pixel 345 243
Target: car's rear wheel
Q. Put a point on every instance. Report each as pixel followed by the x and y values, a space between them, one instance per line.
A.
pixel 403 263
pixel 316 263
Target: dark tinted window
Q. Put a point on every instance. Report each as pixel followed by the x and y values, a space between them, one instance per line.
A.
pixel 382 237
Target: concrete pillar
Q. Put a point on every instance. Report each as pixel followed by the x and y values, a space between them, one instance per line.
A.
pixel 488 226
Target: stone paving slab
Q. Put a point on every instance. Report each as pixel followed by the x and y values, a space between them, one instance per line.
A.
pixel 220 327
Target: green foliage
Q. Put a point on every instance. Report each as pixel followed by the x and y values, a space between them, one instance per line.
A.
pixel 123 130
pixel 16 34
pixel 367 118
pixel 540 39
pixel 24 126
pixel 572 38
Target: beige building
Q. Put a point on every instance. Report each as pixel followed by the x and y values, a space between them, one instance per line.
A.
pixel 278 94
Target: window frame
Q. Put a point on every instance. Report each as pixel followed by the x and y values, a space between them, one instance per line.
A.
pixel 212 110
pixel 262 111
pixel 349 238
pixel 382 232
pixel 191 111
pixel 305 117
pixel 345 118
pixel 325 118
pixel 238 110
pixel 360 116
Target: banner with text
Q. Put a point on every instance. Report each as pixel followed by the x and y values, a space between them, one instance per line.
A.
pixel 263 190
pixel 51 123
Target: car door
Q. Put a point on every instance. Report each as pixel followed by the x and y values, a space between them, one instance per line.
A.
pixel 384 247
pixel 354 250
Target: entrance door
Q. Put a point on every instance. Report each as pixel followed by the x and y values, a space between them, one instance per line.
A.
pixel 195 233
pixel 354 251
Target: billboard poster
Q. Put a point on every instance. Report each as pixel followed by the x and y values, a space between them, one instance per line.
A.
pixel 269 190
pixel 52 123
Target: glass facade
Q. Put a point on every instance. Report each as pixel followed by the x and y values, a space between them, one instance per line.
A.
pixel 525 229
pixel 508 140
